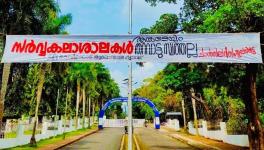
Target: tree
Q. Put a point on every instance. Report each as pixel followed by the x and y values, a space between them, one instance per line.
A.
pixel 236 123
pixel 250 19
pixel 230 16
pixel 27 17
pixel 104 83
pixel 48 28
pixel 39 92
pixel 166 24
pixel 88 76
pixel 172 101
pixel 153 91
pixel 154 2
pixel 30 88
pixel 13 21
pixel 95 80
pixel 216 104
pixel 75 75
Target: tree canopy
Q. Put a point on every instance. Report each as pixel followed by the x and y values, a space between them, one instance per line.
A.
pixel 210 80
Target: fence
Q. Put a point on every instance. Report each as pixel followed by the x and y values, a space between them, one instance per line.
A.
pixel 46 130
pixel 215 131
pixel 122 122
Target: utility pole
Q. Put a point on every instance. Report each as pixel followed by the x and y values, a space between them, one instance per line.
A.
pixel 129 101
pixel 130 107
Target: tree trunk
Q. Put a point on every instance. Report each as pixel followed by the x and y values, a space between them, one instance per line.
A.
pixel 65 112
pixel 42 72
pixel 97 104
pixel 102 102
pixel 195 114
pixel 183 113
pixel 89 111
pixel 84 100
pixel 5 77
pixel 77 104
pixel 93 111
pixel 255 133
pixel 57 104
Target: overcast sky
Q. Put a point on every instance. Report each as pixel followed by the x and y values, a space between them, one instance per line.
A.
pixel 111 17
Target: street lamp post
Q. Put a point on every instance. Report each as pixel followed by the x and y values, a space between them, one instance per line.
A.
pixel 129 101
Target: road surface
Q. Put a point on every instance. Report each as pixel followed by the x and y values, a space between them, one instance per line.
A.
pixel 106 139
pixel 151 139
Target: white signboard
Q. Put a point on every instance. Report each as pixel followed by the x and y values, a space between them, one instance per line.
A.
pixel 223 48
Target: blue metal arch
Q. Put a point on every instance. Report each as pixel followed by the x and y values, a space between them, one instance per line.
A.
pixel 124 99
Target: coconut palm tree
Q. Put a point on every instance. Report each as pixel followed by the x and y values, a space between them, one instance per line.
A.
pixel 41 81
pixel 85 76
pixel 103 78
pixel 5 76
pixel 53 24
pixel 15 19
pixel 89 82
pixel 75 76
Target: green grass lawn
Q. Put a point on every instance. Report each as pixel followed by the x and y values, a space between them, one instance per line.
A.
pixel 52 140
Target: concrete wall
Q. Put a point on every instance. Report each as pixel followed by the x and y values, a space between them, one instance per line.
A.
pixel 174 124
pixel 241 140
pixel 221 135
pixel 22 139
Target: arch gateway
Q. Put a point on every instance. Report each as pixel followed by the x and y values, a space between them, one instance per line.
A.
pixel 134 99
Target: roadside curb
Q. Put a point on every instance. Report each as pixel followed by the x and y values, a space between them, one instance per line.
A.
pixel 68 142
pixel 189 141
pixel 76 139
pixel 136 142
pixel 193 142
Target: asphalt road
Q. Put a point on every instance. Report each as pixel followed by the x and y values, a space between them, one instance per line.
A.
pixel 151 139
pixel 106 139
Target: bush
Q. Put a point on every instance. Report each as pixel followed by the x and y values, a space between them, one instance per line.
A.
pixel 236 125
pixel 237 122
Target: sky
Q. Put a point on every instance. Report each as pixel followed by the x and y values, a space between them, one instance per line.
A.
pixel 111 17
